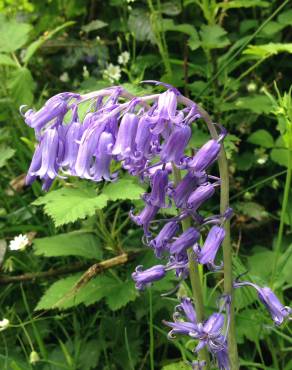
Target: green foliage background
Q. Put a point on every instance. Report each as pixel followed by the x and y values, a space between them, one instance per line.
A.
pixel 225 55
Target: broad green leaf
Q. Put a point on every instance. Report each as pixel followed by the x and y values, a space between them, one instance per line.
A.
pixel 70 244
pixel 56 292
pixel 256 265
pixel 5 60
pixel 266 50
pixel 94 25
pixel 255 103
pixel 280 156
pixel 140 26
pixel 243 4
pixel 5 154
pixel 285 17
pixel 119 293
pixel 89 354
pixel 214 37
pixel 262 138
pixel 13 35
pixel 70 204
pixel 33 47
pixel 123 189
pixel 271 29
pixel 171 8
pixel 188 29
pixel 21 85
pixel 244 161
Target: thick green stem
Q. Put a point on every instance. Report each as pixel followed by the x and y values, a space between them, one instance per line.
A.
pixel 283 212
pixel 227 250
pixel 194 277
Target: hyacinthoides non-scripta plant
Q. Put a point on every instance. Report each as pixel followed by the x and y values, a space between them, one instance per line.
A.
pixel 149 135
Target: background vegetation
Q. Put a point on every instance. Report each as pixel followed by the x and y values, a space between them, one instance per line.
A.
pixel 225 55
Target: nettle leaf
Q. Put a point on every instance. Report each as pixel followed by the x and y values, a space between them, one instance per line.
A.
pixel 119 293
pixel 123 189
pixel 21 85
pixel 71 244
pixel 5 154
pixel 214 37
pixel 262 138
pixel 61 295
pixel 5 60
pixel 57 292
pixel 13 35
pixel 70 204
pixel 255 103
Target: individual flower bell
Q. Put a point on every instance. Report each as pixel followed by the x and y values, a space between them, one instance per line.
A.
pixel 278 311
pixel 146 277
pixel 143 137
pixel 145 217
pixel 186 240
pixel 73 135
pixel 200 195
pixel 159 243
pixel 174 147
pixel 159 188
pixel 55 107
pixel 125 142
pixel 101 168
pixel 210 248
pixel 205 156
pixel 185 187
pixel 44 162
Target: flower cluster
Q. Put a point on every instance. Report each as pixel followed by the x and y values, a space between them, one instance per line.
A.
pixel 148 136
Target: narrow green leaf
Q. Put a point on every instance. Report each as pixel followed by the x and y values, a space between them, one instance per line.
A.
pixel 71 244
pixel 94 25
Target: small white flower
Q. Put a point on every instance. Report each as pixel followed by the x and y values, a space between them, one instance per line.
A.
pixel 18 243
pixel 85 73
pixel 124 58
pixel 34 357
pixel 251 87
pixel 64 77
pixel 4 324
pixel 112 73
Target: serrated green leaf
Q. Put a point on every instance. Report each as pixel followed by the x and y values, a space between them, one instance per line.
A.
pixel 5 60
pixel 13 35
pixel 70 204
pixel 56 292
pixel 21 85
pixel 119 293
pixel 214 37
pixel 5 154
pixel 123 189
pixel 266 50
pixel 71 244
pixel 262 138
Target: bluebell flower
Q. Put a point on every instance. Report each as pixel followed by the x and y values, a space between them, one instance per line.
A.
pixel 174 147
pixel 200 195
pixel 146 277
pixel 186 240
pixel 159 243
pixel 208 253
pixel 125 142
pixel 277 310
pixel 185 187
pixel 145 217
pixel 205 156
pixel 159 182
